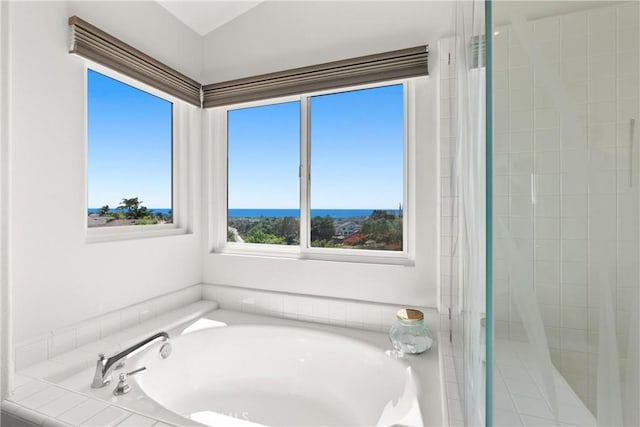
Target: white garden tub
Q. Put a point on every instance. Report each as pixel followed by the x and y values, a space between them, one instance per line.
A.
pixel 280 376
pixel 239 369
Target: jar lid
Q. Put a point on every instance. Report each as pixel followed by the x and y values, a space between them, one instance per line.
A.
pixel 409 315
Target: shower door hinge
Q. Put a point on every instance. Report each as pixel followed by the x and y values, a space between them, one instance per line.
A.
pixel 450 335
pixel 449 313
pixel 449 59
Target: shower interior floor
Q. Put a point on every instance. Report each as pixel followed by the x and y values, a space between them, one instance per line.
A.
pixel 520 397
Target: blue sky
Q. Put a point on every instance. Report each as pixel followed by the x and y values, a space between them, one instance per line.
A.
pixel 129 150
pixel 356 152
pixel 356 149
pixel 263 156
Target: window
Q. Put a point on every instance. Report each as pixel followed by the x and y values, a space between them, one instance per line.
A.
pixel 263 157
pixel 129 155
pixel 356 163
pixel 323 173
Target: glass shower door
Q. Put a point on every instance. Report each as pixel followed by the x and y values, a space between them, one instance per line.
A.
pixel 565 213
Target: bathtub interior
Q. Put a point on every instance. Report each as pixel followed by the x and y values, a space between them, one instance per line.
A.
pixel 276 375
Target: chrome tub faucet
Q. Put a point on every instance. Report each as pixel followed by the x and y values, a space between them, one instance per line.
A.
pixel 105 365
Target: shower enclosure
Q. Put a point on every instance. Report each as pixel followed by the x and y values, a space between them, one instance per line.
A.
pixel 565 213
pixel 561 180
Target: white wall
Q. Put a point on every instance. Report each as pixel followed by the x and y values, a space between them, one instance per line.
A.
pixel 57 278
pixel 147 27
pixel 281 35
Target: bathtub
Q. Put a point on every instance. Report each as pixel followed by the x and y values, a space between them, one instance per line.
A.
pixel 237 369
pixel 280 376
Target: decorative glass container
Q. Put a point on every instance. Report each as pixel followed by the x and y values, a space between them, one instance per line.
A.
pixel 408 333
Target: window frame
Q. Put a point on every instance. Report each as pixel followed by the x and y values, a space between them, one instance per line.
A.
pixel 217 121
pixel 179 208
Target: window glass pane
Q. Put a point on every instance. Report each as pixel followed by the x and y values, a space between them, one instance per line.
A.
pixel 129 154
pixel 263 184
pixel 357 162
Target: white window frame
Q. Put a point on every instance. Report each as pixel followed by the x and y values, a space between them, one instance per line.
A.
pixel 217 122
pixel 180 204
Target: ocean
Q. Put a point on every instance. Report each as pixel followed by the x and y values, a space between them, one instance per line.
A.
pixel 295 213
pixel 281 213
pixel 153 210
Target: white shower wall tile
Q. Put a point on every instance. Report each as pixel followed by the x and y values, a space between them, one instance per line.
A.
pixel 511 108
pixel 522 142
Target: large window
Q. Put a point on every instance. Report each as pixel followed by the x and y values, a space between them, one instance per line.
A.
pixel 322 171
pixel 129 155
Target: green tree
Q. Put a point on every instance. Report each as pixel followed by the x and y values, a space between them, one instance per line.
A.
pixel 382 215
pixel 133 208
pixel 260 236
pixel 104 211
pixel 289 229
pixel 322 228
pixel 383 230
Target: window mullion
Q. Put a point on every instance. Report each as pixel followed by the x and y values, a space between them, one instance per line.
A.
pixel 305 179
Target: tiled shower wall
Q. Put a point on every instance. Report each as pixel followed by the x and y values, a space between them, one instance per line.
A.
pixel 569 203
pixel 451 325
pixel 448 196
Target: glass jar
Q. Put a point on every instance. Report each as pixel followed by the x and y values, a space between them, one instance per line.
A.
pixel 408 333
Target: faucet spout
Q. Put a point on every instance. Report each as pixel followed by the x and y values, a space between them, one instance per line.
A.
pixel 105 365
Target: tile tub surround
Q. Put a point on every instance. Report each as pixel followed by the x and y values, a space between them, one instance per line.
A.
pixel 332 311
pixel 54 347
pixel 59 405
pixel 36 399
pixel 80 336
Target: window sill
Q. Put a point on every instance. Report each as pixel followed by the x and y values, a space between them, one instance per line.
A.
pixel 295 253
pixel 132 232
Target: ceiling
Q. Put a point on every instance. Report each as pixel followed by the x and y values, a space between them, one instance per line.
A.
pixel 205 16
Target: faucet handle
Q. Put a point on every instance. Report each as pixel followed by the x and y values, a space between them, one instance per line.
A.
pixel 123 387
pixel 135 371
